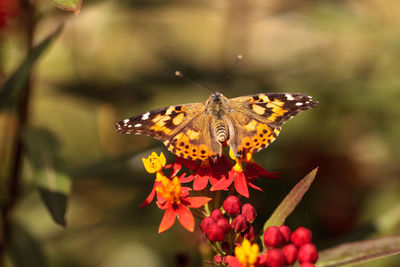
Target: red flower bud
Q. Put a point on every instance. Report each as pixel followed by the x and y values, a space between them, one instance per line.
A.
pixel 216 214
pixel 218 259
pixel 272 237
pixel 301 236
pixel 249 212
pixel 215 233
pixel 290 252
pixel 240 223
pixel 224 224
pixel 275 258
pixel 286 233
pixel 250 235
pixel 262 259
pixel 307 253
pixel 307 264
pixel 205 223
pixel 232 205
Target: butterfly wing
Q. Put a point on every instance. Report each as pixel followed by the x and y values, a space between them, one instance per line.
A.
pixel 257 119
pixel 184 129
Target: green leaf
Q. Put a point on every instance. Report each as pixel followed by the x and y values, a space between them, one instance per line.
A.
pixel 24 249
pixel 69 5
pixel 357 252
pixel 42 149
pixel 17 81
pixel 290 202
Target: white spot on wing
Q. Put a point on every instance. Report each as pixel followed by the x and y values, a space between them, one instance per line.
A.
pixel 299 104
pixel 126 121
pixel 138 125
pixel 289 97
pixel 145 116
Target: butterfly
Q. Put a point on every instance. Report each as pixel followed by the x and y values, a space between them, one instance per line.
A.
pixel 199 131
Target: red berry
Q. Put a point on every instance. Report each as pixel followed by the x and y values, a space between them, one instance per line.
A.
pixel 240 223
pixel 307 264
pixel 215 233
pixel 301 236
pixel 232 205
pixel 225 225
pixel 216 214
pixel 307 253
pixel 205 223
pixel 249 212
pixel 290 252
pixel 272 237
pixel 250 234
pixel 286 232
pixel 275 258
pixel 218 259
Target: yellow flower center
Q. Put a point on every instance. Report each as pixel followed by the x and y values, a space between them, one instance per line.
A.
pixel 247 253
pixel 170 190
pixel 154 163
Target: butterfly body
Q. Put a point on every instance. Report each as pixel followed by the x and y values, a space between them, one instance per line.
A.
pixel 199 131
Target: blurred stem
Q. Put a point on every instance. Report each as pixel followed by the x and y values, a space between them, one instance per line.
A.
pixel 22 106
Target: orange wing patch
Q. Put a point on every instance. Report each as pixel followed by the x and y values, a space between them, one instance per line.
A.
pixel 183 146
pixel 261 137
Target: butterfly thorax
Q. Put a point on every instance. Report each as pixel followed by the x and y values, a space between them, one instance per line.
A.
pixel 217 106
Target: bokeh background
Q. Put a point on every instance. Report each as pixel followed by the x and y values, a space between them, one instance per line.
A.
pixel 118 58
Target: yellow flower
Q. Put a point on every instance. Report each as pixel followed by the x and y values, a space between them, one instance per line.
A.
pixel 239 162
pixel 170 190
pixel 247 253
pixel 154 163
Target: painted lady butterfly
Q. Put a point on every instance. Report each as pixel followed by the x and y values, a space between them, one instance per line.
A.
pixel 200 131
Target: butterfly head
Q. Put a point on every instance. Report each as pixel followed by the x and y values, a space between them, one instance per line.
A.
pixel 217 102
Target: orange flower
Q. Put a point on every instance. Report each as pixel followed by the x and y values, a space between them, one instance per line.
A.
pixel 175 200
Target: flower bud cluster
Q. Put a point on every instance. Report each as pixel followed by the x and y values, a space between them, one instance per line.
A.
pixel 285 248
pixel 237 218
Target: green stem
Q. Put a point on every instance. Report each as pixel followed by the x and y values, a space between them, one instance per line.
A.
pixel 14 181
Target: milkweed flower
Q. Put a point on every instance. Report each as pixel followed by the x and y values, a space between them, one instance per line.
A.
pixel 243 177
pixel 154 164
pixel 246 255
pixel 175 200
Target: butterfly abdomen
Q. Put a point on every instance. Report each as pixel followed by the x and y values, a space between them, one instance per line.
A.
pixel 221 131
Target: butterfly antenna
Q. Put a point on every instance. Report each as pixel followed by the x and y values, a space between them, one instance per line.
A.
pixel 180 75
pixel 229 75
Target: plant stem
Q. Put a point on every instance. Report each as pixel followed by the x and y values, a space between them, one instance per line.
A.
pixel 22 105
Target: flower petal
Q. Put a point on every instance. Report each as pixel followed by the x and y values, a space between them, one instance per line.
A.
pixel 254 186
pixel 223 183
pixel 201 179
pixel 197 202
pixel 168 220
pixel 185 217
pixel 233 261
pixel 147 165
pixel 241 184
pixel 186 179
pixel 150 197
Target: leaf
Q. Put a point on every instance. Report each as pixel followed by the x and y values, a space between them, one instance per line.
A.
pixel 16 82
pixel 361 251
pixel 54 185
pixel 69 5
pixel 24 249
pixel 290 202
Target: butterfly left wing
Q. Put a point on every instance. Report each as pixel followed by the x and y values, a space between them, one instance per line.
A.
pixel 184 129
pixel 256 119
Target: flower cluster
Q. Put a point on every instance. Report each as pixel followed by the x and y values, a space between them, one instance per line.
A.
pixel 283 248
pixel 236 224
pixel 171 196
pixel 228 227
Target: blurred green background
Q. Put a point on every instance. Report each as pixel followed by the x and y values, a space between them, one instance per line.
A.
pixel 118 58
